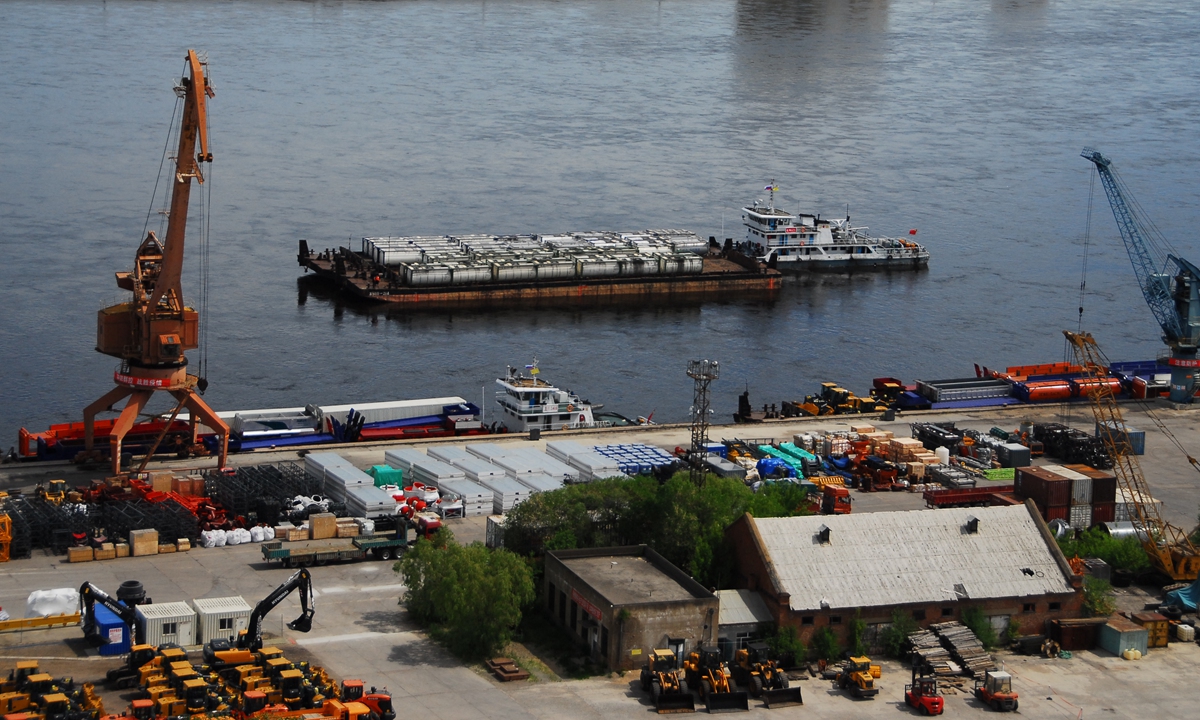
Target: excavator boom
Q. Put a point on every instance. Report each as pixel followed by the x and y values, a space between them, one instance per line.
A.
pixel 300 580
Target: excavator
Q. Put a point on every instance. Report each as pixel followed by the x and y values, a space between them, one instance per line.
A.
pixel 219 654
pixel 753 668
pixel 708 673
pixel 660 678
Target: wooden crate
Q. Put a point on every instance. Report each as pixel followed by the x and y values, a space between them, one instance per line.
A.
pixel 105 554
pixel 294 534
pixel 122 549
pixel 183 544
pixel 143 542
pixel 323 525
pixel 160 481
pixel 80 554
pixel 164 548
pixel 346 531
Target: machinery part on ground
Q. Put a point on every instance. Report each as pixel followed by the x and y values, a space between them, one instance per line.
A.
pixel 994 689
pixel 1169 548
pixel 1170 284
pixel 752 668
pixel 923 694
pixel 855 677
pixel 707 672
pixel 89 595
pixel 152 331
pixel 660 678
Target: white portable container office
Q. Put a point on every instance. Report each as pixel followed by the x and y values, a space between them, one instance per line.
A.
pixel 403 458
pixel 173 622
pixel 449 453
pixel 540 482
pixel 221 617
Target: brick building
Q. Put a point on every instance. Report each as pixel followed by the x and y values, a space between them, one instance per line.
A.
pixel 818 571
pixel 622 602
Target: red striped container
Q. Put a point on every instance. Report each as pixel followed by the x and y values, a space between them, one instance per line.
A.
pixel 1104 512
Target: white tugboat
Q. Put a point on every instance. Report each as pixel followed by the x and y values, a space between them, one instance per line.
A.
pixel 810 242
pixel 527 402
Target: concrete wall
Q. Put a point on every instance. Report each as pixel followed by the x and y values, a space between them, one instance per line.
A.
pixel 631 630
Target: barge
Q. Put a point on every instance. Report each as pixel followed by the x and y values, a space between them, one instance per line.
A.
pixel 531 270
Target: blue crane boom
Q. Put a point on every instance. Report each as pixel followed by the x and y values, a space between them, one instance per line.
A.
pixel 1170 284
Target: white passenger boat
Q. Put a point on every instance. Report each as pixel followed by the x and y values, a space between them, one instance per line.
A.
pixel 527 402
pixel 810 242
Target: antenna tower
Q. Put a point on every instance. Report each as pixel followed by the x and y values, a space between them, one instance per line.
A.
pixel 703 372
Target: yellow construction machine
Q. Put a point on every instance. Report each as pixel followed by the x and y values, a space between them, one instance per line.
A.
pixel 660 678
pixel 857 677
pixel 707 672
pixel 753 668
pixel 54 492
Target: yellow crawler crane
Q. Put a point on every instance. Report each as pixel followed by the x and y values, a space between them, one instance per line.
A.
pixel 1170 549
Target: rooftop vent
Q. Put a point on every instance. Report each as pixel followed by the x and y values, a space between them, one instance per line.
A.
pixel 823 534
pixel 972 526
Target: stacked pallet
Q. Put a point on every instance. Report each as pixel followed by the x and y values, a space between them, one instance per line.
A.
pixel 506 492
pixel 341 479
pixel 540 482
pixel 476 499
pixel 935 658
pixel 964 647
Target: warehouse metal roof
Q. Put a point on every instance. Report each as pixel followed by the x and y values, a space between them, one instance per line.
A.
pixel 897 558
pixel 743 607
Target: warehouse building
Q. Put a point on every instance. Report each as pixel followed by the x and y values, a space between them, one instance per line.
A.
pixel 822 571
pixel 623 602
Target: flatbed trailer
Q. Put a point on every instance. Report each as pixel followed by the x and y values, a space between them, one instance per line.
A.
pixel 966 497
pixel 319 552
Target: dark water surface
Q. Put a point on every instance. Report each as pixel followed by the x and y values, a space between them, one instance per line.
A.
pixel 332 120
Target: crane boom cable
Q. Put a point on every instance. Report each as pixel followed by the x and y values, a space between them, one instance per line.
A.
pixel 161 162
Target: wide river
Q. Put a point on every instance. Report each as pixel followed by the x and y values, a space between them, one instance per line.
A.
pixel 333 120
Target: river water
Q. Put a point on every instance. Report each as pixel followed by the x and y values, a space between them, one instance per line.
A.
pixel 335 120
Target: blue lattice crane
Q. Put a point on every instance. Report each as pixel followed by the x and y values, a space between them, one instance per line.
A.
pixel 1170 284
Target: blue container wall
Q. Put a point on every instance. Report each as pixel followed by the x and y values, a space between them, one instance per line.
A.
pixel 112 627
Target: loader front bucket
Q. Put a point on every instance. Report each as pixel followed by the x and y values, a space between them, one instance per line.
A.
pixel 668 703
pixel 783 697
pixel 728 702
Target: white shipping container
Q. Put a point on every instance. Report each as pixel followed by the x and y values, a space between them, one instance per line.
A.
pixel 221 617
pixel 173 622
pixel 1080 517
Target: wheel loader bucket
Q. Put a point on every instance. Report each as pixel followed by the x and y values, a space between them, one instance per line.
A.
pixel 669 703
pixel 728 702
pixel 783 697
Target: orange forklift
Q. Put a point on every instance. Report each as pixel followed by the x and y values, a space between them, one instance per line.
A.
pixel 922 694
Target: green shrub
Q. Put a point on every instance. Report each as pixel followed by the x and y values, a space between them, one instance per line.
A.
pixel 1098 597
pixel 1121 553
pixel 786 646
pixel 895 635
pixel 825 645
pixel 858 628
pixel 981 625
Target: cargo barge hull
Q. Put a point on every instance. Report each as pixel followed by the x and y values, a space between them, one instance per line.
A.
pixel 720 279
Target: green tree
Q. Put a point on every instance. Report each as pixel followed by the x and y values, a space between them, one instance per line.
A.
pixel 981 625
pixel 1098 597
pixel 858 629
pixel 469 597
pixel 825 645
pixel 895 635
pixel 786 646
pixel 1121 553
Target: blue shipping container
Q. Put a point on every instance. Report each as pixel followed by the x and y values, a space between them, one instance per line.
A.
pixel 111 628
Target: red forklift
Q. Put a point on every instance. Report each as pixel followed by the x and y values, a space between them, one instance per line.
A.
pixel 923 694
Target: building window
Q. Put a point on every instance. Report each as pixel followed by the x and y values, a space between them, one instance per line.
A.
pixel 225 624
pixel 574 615
pixel 550 597
pixel 918 614
pixel 948 612
pixel 1028 607
pixel 169 629
pixel 835 619
pixel 1055 607
pixel 806 620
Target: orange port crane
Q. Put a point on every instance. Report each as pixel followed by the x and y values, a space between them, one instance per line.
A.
pixel 151 332
pixel 1169 548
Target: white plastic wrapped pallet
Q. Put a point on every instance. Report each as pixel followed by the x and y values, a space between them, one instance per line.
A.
pixel 44 603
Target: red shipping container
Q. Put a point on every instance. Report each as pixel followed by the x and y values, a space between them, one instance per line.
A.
pixel 1103 512
pixel 1061 512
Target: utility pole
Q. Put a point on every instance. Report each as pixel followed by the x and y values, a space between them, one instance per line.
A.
pixel 703 372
